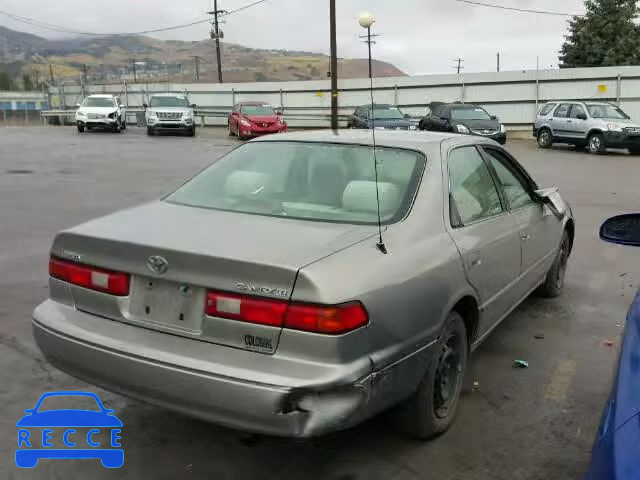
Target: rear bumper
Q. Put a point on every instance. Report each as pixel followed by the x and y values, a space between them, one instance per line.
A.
pixel 621 140
pixel 204 380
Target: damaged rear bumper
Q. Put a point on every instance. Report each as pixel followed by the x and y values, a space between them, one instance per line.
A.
pixel 197 378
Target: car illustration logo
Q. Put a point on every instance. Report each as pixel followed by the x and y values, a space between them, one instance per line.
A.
pixel 157 264
pixel 69 433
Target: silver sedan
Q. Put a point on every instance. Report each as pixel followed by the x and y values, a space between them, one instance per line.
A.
pixel 274 293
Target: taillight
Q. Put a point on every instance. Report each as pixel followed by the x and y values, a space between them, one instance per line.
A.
pixel 331 320
pixel 249 309
pixel 106 281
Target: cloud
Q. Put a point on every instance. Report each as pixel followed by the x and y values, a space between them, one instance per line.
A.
pixel 419 36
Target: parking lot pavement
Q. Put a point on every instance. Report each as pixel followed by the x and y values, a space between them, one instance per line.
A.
pixel 536 423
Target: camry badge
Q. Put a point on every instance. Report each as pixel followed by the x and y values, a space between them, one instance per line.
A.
pixel 157 264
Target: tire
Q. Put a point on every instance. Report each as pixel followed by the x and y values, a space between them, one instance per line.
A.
pixel 116 127
pixel 80 128
pixel 596 144
pixel 634 151
pixel 150 131
pixel 432 408
pixel 553 285
pixel 123 125
pixel 545 138
pixel 231 134
pixel 191 132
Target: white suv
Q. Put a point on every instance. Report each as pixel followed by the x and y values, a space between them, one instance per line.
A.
pixel 101 111
pixel 170 112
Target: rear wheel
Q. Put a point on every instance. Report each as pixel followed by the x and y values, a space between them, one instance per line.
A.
pixel 231 134
pixel 116 127
pixel 545 138
pixel 432 409
pixel 554 283
pixel 191 132
pixel 150 131
pixel 596 144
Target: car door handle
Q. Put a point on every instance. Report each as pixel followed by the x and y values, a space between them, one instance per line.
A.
pixel 526 237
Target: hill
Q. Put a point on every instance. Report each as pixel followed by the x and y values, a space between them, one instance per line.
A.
pixel 111 58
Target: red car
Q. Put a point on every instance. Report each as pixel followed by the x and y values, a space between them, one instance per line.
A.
pixel 252 119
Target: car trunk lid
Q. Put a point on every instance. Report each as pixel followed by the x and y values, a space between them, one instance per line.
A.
pixel 175 254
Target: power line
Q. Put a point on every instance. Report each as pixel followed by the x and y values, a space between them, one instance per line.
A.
pixel 61 29
pixel 515 9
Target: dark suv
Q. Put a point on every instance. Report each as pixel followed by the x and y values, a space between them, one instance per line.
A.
pixel 465 119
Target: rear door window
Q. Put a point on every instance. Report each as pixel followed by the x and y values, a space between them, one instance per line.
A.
pixel 577 110
pixel 516 187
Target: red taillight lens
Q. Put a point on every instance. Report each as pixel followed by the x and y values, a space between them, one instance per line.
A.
pixel 106 281
pixel 262 311
pixel 331 320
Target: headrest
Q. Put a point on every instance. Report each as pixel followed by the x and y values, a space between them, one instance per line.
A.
pixel 242 183
pixel 361 197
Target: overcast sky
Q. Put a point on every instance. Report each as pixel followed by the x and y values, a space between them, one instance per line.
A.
pixel 418 36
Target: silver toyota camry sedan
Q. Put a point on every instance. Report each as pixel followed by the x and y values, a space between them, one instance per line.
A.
pixel 262 295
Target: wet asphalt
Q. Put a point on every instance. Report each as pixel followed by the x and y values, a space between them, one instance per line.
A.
pixel 535 423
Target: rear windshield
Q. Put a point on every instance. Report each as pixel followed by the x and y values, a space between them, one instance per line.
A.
pixel 98 102
pixel 475 113
pixel 169 102
pixel 257 110
pixel 310 181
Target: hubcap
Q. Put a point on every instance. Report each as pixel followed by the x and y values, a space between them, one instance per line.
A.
pixel 595 144
pixel 448 377
pixel 544 139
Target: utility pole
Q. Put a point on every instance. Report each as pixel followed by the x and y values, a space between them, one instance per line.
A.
pixel 84 73
pixel 334 65
pixel 197 59
pixel 215 34
pixel 459 67
pixel 133 65
pixel 498 60
pixel 51 73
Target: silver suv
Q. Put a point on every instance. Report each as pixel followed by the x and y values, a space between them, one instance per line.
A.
pixel 170 111
pixel 595 125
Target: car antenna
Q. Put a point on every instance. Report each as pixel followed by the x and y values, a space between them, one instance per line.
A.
pixel 381 246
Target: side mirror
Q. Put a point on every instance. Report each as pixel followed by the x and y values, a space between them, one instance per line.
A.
pixel 121 106
pixel 407 115
pixel 144 105
pixel 623 230
pixel 552 198
pixel 493 117
pixel 194 106
pixel 77 105
pixel 279 113
pixel 582 116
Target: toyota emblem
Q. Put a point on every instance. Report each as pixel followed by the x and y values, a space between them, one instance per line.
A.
pixel 157 264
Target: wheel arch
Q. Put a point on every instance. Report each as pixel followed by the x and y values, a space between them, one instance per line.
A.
pixel 467 307
pixel 595 130
pixel 570 228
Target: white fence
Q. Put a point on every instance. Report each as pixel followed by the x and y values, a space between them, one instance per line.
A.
pixel 513 96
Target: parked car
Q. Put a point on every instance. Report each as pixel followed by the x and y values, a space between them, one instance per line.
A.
pixel 170 112
pixel 615 451
pixel 381 117
pixel 101 111
pixel 254 119
pixel 595 125
pixel 261 294
pixel 465 119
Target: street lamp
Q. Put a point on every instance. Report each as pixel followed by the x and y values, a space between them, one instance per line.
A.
pixel 366 20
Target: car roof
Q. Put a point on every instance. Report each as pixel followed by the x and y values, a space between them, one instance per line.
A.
pixel 255 103
pixel 384 138
pixel 101 95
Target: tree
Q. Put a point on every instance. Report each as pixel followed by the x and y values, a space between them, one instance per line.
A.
pixel 605 36
pixel 27 83
pixel 5 81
